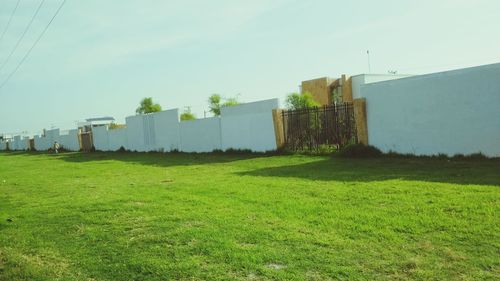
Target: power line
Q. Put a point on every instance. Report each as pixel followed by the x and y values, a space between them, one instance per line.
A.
pixel 10 19
pixel 22 35
pixel 33 46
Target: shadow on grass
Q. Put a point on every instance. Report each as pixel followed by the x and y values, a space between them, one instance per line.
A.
pixel 479 172
pixel 482 172
pixel 143 158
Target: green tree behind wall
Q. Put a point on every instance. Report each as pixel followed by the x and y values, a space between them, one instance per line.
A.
pixel 215 103
pixel 147 106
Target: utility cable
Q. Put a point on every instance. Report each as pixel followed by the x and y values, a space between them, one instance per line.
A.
pixel 32 46
pixel 22 35
pixel 10 20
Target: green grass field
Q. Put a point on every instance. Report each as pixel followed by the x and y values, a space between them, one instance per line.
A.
pixel 227 217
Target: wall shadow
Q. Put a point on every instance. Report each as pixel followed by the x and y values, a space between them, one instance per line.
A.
pixel 480 172
pixel 143 158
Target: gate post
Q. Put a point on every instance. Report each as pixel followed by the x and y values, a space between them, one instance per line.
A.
pixel 80 141
pixel 361 121
pixel 278 128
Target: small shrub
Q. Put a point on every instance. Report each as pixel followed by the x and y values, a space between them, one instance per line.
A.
pixel 326 149
pixel 121 149
pixel 238 151
pixel 477 156
pixel 458 157
pixel 359 151
pixel 474 156
pixel 442 156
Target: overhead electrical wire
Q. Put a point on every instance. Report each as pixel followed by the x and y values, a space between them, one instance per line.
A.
pixel 9 21
pixel 22 35
pixel 33 46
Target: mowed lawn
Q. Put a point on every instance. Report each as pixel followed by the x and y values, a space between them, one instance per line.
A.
pixel 134 216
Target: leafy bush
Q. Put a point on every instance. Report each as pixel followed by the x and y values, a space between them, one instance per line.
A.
pixel 300 101
pixel 121 149
pixel 474 156
pixel 359 151
pixel 215 103
pixel 188 115
pixel 238 151
pixel 148 106
pixel 114 125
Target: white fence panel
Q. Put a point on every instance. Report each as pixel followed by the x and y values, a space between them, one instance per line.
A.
pixel 245 126
pixel 19 143
pixel 166 130
pixel 201 135
pixel 454 112
pixel 69 140
pixel 135 133
pixel 100 138
pixel 117 138
pixel 249 126
pixel 42 143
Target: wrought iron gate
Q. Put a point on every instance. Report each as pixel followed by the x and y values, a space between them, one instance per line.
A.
pixel 311 128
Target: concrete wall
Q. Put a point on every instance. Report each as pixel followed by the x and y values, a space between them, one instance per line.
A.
pixel 135 133
pixel 100 138
pixel 117 138
pixel 246 126
pixel 201 135
pixel 19 143
pixel 455 112
pixel 154 132
pixel 69 140
pixel 3 145
pixel 106 139
pixel 359 80
pixel 42 143
pixel 165 129
pixel 249 126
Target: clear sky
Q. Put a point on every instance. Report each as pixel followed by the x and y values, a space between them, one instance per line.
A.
pixel 99 58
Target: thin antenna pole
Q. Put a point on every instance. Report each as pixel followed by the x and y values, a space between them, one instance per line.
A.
pixel 369 63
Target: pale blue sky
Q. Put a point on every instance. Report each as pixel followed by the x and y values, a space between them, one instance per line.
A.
pixel 101 57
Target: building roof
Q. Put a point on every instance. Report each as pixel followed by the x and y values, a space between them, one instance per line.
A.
pixel 100 119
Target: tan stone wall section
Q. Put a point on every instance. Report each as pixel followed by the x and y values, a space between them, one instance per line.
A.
pixel 278 128
pixel 320 89
pixel 347 89
pixel 361 121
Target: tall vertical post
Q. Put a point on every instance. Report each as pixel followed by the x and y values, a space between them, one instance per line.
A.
pixel 361 120
pixel 278 128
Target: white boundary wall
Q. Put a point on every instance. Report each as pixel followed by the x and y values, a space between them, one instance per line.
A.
pixel 359 80
pixel 19 143
pixel 117 138
pixel 135 133
pixel 166 130
pixel 106 139
pixel 454 112
pixel 100 138
pixel 249 126
pixel 201 135
pixel 153 132
pixel 246 126
pixel 67 139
